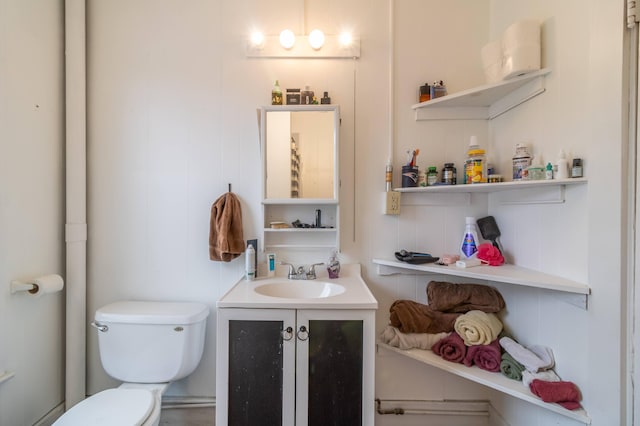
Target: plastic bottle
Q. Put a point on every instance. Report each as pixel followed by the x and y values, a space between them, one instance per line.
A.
pixel 276 94
pixel 250 261
pixel 476 164
pixel 521 161
pixel 549 172
pixel 562 166
pixel 469 245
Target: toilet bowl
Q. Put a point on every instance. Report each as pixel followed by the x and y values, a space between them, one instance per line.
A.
pixel 146 345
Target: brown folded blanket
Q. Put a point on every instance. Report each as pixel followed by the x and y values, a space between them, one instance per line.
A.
pixel 413 317
pixel 450 297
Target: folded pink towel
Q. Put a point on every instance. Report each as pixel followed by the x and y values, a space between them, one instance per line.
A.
pixel 566 394
pixel 486 357
pixel 451 348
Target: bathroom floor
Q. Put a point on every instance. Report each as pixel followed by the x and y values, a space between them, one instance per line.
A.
pixel 188 416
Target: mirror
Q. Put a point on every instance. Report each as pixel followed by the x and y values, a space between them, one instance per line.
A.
pixel 299 149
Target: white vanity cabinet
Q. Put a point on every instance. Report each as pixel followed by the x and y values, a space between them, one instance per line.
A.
pixel 295 367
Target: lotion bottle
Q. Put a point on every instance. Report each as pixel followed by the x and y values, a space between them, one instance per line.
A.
pixel 250 261
pixel 469 244
pixel 562 165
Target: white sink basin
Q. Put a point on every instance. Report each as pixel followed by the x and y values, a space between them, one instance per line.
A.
pixel 300 289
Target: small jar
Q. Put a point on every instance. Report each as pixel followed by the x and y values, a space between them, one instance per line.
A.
pixel 425 93
pixel 432 176
pixel 576 168
pixel 449 175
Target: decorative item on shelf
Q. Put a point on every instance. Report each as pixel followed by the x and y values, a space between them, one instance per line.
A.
pixel 276 94
pixel 424 93
pixel 293 96
pixel 306 96
pixel 326 100
pixel 438 89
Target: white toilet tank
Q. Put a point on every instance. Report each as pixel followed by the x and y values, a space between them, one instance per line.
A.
pixel 151 342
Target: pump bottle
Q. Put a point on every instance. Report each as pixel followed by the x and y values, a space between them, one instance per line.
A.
pixel 250 261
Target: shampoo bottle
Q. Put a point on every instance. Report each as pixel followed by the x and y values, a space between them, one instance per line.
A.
pixel 469 245
pixel 250 261
pixel 563 166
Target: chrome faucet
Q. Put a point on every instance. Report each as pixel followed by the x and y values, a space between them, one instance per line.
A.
pixel 299 273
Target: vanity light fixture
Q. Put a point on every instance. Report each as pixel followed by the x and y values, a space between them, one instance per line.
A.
pixel 315 45
pixel 316 39
pixel 287 39
pixel 257 40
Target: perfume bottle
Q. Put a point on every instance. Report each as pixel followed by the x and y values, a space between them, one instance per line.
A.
pixel 333 265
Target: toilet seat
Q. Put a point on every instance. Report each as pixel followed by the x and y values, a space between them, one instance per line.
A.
pixel 111 407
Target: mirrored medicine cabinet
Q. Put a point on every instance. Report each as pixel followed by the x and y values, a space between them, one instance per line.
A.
pixel 300 179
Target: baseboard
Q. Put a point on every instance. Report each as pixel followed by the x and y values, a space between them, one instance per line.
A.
pixel 51 416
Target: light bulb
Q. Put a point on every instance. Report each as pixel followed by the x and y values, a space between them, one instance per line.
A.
pixel 287 39
pixel 257 39
pixel 345 39
pixel 316 39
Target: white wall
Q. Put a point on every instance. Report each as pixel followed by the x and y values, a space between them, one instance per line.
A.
pixel 172 103
pixel 31 206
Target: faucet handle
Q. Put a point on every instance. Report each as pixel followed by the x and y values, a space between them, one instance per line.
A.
pixel 311 273
pixel 292 271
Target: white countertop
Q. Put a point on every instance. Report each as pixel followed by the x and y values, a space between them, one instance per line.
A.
pixel 356 295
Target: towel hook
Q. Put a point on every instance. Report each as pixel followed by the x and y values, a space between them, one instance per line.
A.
pixel 229 187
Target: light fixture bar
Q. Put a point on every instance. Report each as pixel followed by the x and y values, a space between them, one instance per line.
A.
pixel 302 49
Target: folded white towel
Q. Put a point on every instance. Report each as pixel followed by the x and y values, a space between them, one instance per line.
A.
pixel 546 375
pixel 478 328
pixel 535 358
pixel 394 337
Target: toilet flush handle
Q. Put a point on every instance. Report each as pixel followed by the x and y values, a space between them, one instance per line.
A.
pixel 100 327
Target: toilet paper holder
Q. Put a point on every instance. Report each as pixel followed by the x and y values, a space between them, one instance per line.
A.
pixel 39 286
pixel 17 286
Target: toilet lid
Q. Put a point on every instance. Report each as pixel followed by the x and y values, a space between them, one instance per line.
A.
pixel 111 407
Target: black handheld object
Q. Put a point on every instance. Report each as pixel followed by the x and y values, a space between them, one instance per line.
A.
pixel 489 230
pixel 415 258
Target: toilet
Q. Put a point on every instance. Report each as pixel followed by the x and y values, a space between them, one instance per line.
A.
pixel 146 345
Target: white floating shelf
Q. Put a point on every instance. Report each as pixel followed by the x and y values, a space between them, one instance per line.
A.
pixel 493 380
pixel 492 187
pixel 510 274
pixel 300 201
pixel 484 102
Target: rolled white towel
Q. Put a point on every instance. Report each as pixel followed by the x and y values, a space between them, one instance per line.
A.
pixel 478 328
pixel 535 358
pixel 394 337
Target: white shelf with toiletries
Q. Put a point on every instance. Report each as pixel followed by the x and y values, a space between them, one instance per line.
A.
pixel 484 102
pixel 508 274
pixel 492 380
pixel 493 187
pixel 285 212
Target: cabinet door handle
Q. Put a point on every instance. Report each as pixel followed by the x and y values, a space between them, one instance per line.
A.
pixel 287 334
pixel 303 334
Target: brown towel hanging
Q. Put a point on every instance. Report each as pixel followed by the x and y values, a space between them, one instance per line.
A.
pixel 226 241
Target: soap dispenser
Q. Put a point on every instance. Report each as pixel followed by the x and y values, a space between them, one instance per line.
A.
pixel 333 265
